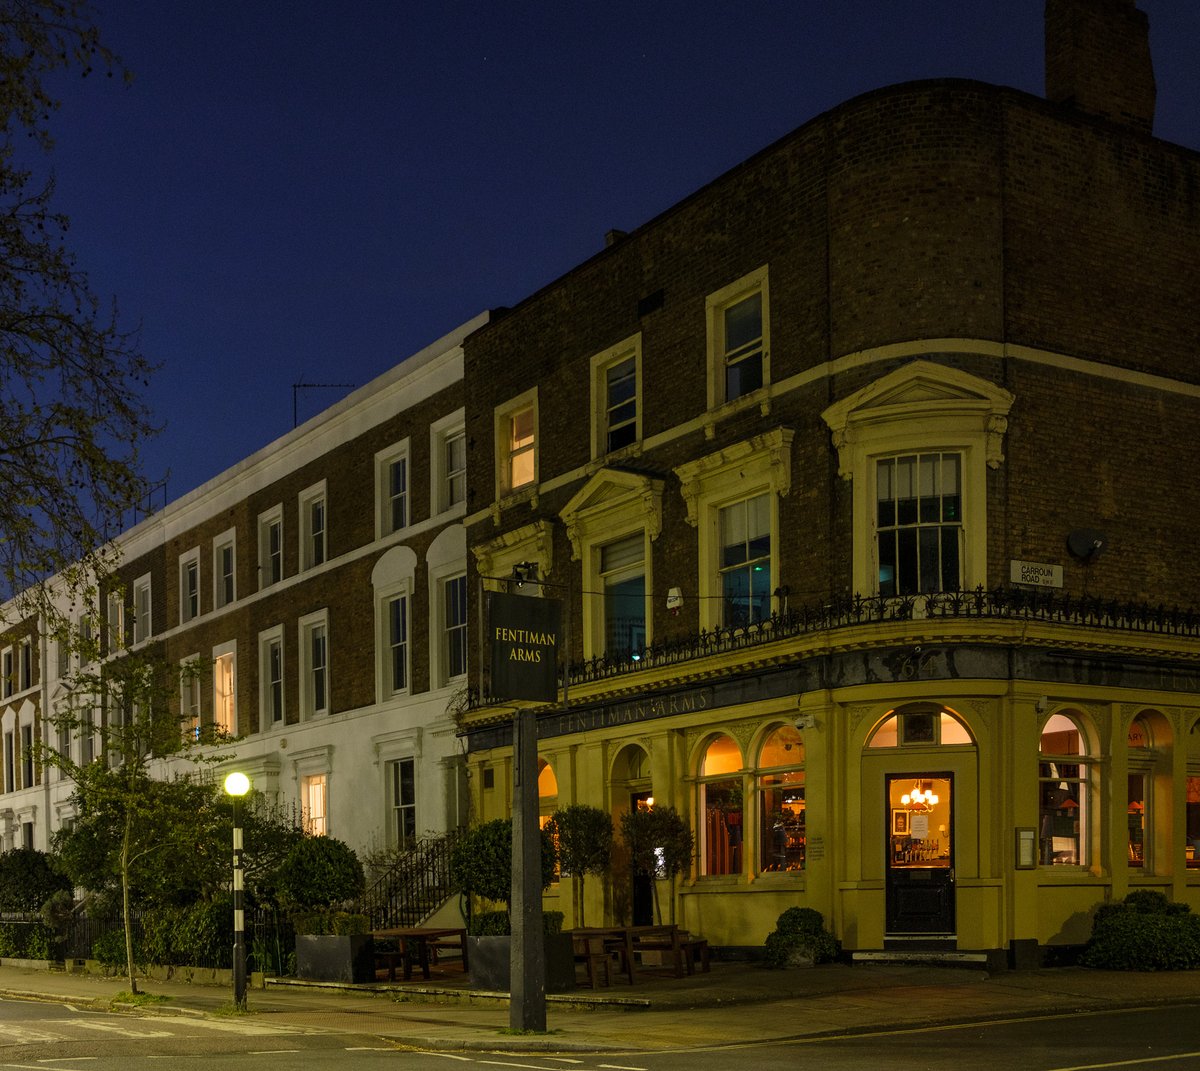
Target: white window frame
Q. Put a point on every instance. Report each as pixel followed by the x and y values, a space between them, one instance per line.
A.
pixel 115 620
pixel 761 465
pixel 268 640
pixel 715 306
pixel 396 834
pixel 442 622
pixel 225 654
pixel 313 553
pixel 224 584
pixel 505 453
pixel 451 427
pixel 190 698
pixel 143 609
pixel 25 664
pixel 613 504
pixel 601 364
pixel 383 631
pixel 186 613
pixel 396 454
pixel 267 520
pixel 28 766
pixel 921 407
pixel 315 786
pixel 308 628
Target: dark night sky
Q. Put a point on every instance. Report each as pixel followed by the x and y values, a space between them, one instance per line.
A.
pixel 310 192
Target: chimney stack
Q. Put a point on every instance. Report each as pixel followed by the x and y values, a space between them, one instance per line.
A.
pixel 1098 59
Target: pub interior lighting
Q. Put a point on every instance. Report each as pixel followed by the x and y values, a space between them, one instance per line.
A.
pixel 919 800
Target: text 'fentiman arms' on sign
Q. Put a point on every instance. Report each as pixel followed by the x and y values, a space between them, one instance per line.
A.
pixel 524 633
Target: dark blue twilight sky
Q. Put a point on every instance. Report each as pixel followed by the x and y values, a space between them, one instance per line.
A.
pixel 306 191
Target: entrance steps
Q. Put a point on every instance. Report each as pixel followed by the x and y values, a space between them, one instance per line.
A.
pixel 923 958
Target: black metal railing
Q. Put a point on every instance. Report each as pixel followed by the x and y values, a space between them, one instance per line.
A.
pixel 998 604
pixel 415 886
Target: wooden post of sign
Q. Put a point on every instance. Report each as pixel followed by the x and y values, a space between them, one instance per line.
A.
pixel 527 1002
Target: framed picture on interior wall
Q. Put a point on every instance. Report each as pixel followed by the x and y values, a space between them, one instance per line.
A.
pixel 899 823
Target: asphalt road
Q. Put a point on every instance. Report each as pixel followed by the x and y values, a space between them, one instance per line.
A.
pixel 59 1037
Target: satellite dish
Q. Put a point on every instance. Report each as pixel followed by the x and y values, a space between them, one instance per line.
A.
pixel 1086 543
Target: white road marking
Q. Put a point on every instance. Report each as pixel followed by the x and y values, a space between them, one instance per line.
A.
pixel 1130 1063
pixel 25 1035
pixel 113 1028
pixel 448 1056
pixel 621 1067
pixel 241 1026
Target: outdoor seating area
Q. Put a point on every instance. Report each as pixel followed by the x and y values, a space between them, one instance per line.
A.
pixel 406 946
pixel 631 950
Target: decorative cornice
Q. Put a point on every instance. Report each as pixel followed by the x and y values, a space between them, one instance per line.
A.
pixel 769 454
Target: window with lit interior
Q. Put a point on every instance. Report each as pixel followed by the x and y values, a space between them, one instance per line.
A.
pixel 723 826
pixel 781 801
pixel 1063 796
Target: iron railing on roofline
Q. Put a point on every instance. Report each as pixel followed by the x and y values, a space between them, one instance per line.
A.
pixel 1086 611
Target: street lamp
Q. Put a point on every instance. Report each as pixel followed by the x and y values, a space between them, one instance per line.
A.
pixel 236 786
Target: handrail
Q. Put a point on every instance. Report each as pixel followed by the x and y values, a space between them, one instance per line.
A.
pixel 415 886
pixel 1084 611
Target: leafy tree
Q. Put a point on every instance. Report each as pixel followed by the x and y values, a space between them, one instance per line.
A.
pixel 72 418
pixel 482 863
pixel 319 872
pixel 128 820
pixel 28 880
pixel 584 837
pixel 660 844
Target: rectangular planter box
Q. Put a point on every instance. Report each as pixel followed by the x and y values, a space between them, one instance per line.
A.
pixel 335 957
pixel 490 959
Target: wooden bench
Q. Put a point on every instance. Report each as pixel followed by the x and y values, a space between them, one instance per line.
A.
pixel 683 949
pixel 590 951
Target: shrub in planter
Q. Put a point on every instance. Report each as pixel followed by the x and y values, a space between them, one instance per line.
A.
pixel 319 872
pixel 482 861
pixel 497 924
pixel 1144 932
pixel 799 939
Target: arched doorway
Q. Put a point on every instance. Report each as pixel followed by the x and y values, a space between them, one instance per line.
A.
pixel 919 741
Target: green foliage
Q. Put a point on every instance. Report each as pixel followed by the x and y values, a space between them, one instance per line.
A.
pixel 27 940
pixel 341 923
pixel 109 949
pixel 497 924
pixel 659 841
pixel 1144 932
pixel 319 872
pixel 482 861
pixel 28 880
pixel 799 935
pixel 585 836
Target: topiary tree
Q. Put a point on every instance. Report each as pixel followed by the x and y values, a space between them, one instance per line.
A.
pixel 660 844
pixel 482 862
pixel 799 939
pixel 1144 932
pixel 317 877
pixel 584 837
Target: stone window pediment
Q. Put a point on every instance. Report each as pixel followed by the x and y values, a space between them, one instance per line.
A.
pixel 918 393
pixel 613 500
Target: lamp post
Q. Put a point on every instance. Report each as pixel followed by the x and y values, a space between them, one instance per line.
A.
pixel 236 786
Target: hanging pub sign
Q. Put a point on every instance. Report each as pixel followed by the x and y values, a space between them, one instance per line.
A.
pixel 524 633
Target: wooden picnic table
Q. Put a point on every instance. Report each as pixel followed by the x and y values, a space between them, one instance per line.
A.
pixel 423 942
pixel 628 941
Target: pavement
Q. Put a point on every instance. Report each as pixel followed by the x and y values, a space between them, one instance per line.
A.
pixel 735 1003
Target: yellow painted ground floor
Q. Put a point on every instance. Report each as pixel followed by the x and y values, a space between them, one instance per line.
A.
pixel 980 813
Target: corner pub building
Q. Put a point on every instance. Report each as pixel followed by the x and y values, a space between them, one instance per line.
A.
pixel 866 476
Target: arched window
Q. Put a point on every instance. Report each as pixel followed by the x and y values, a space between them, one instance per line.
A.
pixel 920 725
pixel 780 783
pixel 547 798
pixel 1138 796
pixel 1063 797
pixel 721 804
